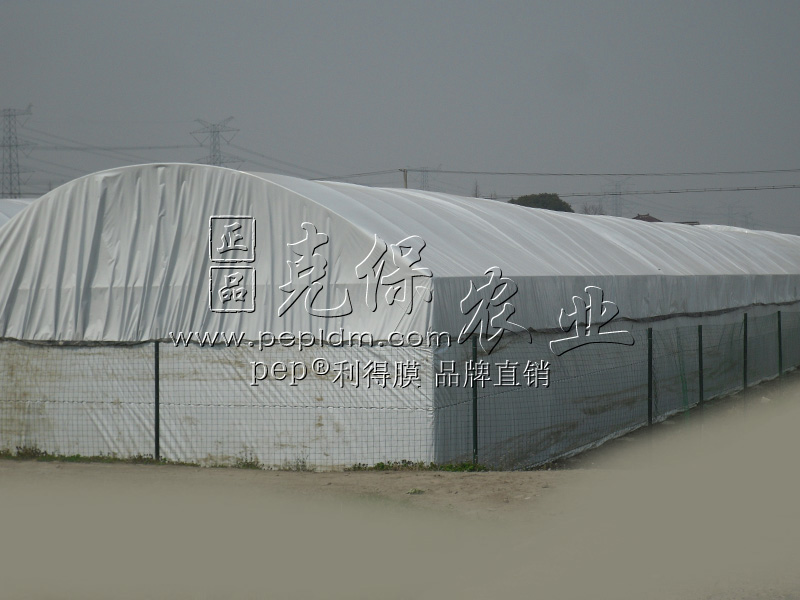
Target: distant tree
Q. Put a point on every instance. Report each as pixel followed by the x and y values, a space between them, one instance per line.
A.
pixel 593 209
pixel 548 201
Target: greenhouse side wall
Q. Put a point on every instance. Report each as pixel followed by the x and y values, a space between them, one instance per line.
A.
pixel 595 392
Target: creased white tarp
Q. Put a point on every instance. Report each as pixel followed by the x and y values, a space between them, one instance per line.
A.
pixel 11 206
pixel 123 255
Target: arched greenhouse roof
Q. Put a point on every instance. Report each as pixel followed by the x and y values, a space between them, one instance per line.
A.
pixel 127 255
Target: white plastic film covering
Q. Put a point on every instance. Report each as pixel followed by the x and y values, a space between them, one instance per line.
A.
pixel 98 400
pixel 124 255
pixel 10 207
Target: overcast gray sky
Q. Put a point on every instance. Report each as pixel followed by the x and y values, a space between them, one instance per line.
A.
pixel 335 88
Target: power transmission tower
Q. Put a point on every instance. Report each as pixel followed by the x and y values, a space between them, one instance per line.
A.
pixel 213 133
pixel 10 181
pixel 616 195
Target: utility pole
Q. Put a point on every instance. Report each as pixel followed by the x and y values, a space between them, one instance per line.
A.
pixel 617 194
pixel 405 178
pixel 213 133
pixel 10 180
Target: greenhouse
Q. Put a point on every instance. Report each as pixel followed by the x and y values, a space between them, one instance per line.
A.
pixel 202 314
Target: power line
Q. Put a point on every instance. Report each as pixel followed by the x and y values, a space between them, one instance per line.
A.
pixel 272 169
pixel 275 160
pixel 85 148
pixel 650 205
pixel 656 192
pixel 61 177
pixel 686 191
pixel 89 148
pixel 354 175
pixel 52 164
pixel 643 174
pixel 425 171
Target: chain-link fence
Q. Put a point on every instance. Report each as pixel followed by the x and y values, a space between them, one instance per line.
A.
pixel 512 405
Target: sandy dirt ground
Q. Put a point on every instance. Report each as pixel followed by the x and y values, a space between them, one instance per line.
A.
pixel 705 507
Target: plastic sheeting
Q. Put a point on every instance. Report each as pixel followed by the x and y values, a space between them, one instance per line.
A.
pixel 11 206
pixel 124 255
pixel 98 400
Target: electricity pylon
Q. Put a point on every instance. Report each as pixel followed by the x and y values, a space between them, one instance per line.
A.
pixel 213 133
pixel 9 176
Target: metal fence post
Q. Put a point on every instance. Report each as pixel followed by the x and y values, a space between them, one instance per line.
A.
pixel 475 401
pixel 744 354
pixel 649 375
pixel 157 417
pixel 700 363
pixel 780 346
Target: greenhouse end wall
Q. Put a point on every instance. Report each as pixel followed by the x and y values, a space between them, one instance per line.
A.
pixel 100 400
